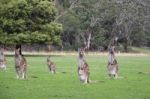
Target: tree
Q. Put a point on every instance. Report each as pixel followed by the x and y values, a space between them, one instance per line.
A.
pixel 128 22
pixel 97 22
pixel 29 21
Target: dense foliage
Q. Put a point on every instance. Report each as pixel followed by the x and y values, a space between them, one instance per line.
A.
pixel 95 22
pixel 29 21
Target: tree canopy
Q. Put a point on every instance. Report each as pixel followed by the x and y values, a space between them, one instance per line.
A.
pixel 29 21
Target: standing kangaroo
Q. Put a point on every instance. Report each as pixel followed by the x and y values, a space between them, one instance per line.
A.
pixel 20 63
pixel 83 68
pixel 51 65
pixel 112 63
pixel 2 61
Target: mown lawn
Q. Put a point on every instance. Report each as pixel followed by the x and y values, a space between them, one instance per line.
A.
pixel 65 84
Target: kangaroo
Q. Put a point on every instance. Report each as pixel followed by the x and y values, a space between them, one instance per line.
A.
pixel 83 67
pixel 2 61
pixel 51 65
pixel 20 63
pixel 112 66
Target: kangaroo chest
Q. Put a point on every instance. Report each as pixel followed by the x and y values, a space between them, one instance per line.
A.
pixel 18 60
pixel 81 62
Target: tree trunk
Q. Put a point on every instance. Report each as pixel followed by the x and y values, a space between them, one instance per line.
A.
pixel 89 41
pixel 125 46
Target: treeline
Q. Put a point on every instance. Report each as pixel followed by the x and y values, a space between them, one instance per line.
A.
pixel 95 23
pixel 74 23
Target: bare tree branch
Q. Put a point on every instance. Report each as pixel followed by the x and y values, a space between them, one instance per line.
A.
pixel 72 5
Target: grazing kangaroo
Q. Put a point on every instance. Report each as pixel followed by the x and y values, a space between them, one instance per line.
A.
pixel 20 63
pixel 112 63
pixel 83 68
pixel 51 65
pixel 2 61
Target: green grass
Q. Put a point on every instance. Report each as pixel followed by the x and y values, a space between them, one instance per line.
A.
pixel 43 85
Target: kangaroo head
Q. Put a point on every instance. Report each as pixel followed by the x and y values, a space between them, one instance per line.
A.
pixel 17 52
pixel 48 59
pixel 81 52
pixel 112 49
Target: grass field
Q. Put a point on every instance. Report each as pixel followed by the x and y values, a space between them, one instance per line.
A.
pixel 65 84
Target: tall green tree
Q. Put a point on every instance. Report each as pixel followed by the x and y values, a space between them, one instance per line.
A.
pixel 29 21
